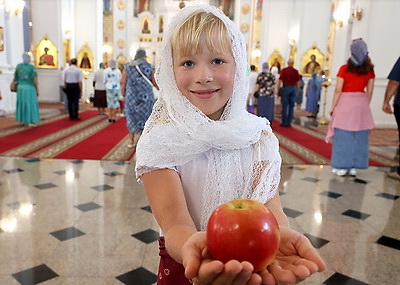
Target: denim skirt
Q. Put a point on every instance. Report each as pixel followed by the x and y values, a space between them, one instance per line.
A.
pixel 350 149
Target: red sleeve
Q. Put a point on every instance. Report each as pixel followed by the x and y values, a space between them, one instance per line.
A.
pixel 341 71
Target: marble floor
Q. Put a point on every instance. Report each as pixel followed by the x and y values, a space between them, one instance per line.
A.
pixel 89 222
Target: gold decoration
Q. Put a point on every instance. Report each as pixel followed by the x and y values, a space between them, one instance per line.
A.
pixel 146 25
pixel 46 54
pixel 120 24
pixel 85 58
pixel 67 50
pixel 312 61
pixel 121 60
pixel 277 60
pixel 245 9
pixel 121 5
pixel 121 43
pixel 244 28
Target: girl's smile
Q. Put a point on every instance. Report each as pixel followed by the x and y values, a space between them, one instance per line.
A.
pixel 205 94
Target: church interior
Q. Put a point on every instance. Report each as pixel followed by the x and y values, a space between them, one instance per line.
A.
pixel 66 220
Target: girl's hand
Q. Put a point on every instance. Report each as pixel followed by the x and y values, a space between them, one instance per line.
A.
pixel 203 270
pixel 296 260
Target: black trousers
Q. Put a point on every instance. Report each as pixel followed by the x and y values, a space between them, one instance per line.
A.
pixel 73 94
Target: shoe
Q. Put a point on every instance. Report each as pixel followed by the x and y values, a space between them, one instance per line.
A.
pixel 109 120
pixel 339 172
pixel 131 144
pixel 113 120
pixel 353 172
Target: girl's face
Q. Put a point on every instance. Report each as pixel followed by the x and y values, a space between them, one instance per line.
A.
pixel 206 80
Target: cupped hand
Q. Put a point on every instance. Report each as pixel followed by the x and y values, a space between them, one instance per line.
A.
pixel 296 260
pixel 200 267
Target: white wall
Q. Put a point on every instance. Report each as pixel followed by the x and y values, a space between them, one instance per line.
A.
pixel 10 56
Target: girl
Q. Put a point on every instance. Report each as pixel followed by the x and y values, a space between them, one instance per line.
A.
pixel 201 148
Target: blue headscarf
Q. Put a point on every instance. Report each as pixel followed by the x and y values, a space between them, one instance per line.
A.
pixel 26 58
pixel 265 67
pixel 359 52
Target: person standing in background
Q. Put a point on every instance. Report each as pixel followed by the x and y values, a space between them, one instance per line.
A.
pixel 393 91
pixel 112 78
pixel 300 92
pixel 313 94
pixel 251 101
pixel 73 77
pixel 289 82
pixel 275 73
pixel 137 87
pixel 25 75
pixel 264 88
pixel 100 97
pixel 351 114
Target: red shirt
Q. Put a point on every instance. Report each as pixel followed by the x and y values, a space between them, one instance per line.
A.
pixel 289 76
pixel 354 82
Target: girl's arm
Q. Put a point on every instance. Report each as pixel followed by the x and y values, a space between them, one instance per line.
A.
pixel 370 88
pixel 338 91
pixel 275 206
pixel 165 194
pixel 183 242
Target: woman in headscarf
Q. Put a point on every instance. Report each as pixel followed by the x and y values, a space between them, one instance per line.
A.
pixel 137 87
pixel 27 111
pixel 264 91
pixel 313 94
pixel 112 78
pixel 352 120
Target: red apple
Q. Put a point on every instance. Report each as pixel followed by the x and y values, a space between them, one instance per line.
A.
pixel 244 230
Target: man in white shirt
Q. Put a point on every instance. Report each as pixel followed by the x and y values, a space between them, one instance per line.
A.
pixel 73 77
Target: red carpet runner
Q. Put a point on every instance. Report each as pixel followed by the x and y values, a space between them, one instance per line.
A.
pixel 95 138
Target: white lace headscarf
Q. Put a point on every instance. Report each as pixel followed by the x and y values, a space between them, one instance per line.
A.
pixel 243 153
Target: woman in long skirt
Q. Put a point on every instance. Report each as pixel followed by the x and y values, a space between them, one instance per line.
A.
pixel 352 119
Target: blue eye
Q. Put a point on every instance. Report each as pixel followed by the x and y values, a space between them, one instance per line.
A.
pixel 218 61
pixel 187 64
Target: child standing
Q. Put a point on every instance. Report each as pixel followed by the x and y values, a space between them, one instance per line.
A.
pixel 201 148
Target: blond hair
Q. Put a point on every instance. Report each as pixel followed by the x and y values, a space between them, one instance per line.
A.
pixel 197 27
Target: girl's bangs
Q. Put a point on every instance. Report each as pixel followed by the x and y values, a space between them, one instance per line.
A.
pixel 198 27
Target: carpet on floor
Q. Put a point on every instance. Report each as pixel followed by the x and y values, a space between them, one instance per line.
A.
pixel 303 145
pixel 93 137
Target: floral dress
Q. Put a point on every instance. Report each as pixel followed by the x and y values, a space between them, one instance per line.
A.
pixel 266 81
pixel 139 97
pixel 112 79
